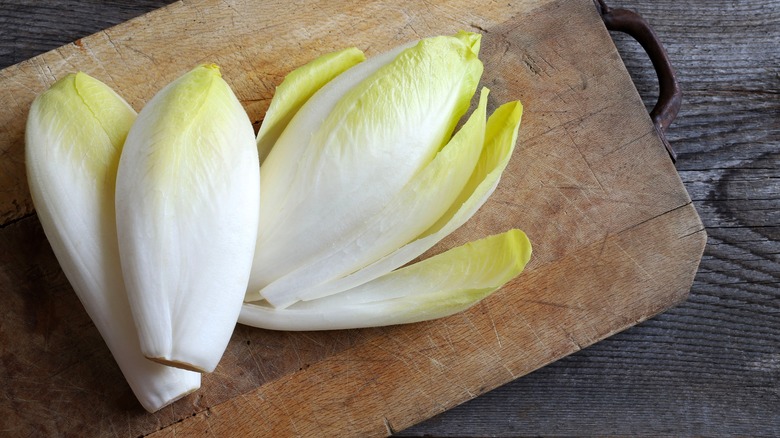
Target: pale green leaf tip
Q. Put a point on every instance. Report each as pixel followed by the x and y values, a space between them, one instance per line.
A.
pixel 211 68
pixel 520 247
pixel 336 62
pixel 470 39
pixel 512 246
pixel 484 92
pixel 515 245
pixel 71 82
pixel 510 113
pixel 516 111
pixel 204 72
pixel 352 53
pixel 82 110
pixel 505 120
pixel 509 253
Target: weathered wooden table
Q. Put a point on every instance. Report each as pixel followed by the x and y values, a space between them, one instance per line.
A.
pixel 710 366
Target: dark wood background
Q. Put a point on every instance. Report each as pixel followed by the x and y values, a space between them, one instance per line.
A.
pixel 710 366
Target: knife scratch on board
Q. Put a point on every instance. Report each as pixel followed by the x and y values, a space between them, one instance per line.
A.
pixel 492 322
pixel 539 340
pixel 113 45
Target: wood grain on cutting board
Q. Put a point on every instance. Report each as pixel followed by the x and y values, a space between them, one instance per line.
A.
pixel 615 237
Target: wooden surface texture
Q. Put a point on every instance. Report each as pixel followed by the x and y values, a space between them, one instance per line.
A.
pixel 709 366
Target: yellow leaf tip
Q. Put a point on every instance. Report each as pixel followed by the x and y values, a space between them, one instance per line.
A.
pixel 521 247
pixel 470 39
pixel 69 80
pixel 212 67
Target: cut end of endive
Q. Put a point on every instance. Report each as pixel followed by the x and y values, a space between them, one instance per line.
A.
pixel 173 399
pixel 178 364
pixel 178 384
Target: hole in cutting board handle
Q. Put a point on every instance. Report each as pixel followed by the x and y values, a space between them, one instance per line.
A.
pixel 669 92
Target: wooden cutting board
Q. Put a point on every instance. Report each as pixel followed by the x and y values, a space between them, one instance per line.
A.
pixel 616 239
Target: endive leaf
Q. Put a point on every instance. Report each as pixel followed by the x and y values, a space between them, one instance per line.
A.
pixel 290 147
pixel 416 207
pixel 292 143
pixel 338 163
pixel 74 137
pixel 187 210
pixel 436 287
pixel 296 89
pixel 500 139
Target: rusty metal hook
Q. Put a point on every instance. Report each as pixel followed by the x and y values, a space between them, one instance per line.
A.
pixel 669 92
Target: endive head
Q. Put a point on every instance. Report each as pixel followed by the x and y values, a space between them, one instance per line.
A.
pixel 75 134
pixel 355 145
pixel 82 119
pixel 187 201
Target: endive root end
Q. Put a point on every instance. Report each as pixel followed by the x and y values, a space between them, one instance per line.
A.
pixel 177 364
pixel 172 400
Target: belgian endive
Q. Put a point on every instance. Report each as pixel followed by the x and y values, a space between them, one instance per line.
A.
pixel 187 211
pixel 366 174
pixel 74 137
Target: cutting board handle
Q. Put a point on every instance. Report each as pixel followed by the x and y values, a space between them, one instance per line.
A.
pixel 669 92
